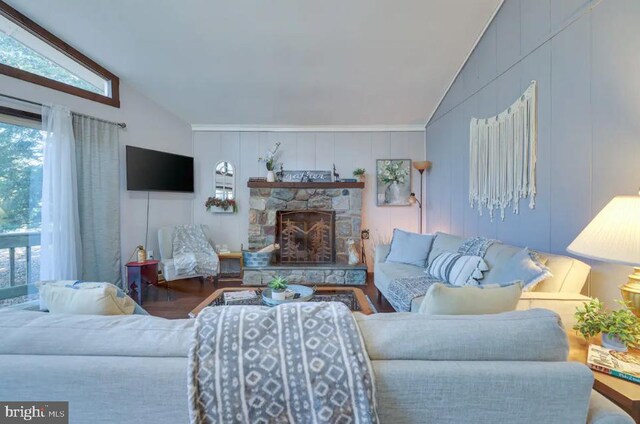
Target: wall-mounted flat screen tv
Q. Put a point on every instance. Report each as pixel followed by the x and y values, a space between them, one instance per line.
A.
pixel 151 170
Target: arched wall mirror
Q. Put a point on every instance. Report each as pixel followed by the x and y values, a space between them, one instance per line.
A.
pixel 224 181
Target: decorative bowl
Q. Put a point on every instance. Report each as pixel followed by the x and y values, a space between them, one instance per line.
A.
pixel 305 293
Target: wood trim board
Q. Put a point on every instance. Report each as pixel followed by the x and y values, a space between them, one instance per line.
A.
pixel 38 31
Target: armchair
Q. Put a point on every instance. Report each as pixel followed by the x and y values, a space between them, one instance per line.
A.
pixel 165 242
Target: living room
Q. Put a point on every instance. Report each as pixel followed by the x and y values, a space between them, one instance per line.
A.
pixel 423 211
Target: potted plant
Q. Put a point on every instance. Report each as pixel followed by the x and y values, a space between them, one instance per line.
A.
pixel 278 287
pixel 271 161
pixel 359 174
pixel 619 328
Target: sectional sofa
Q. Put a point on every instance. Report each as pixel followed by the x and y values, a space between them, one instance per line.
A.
pixel 503 368
pixel 560 293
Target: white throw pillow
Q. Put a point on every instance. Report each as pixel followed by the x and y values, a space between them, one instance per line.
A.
pixel 40 284
pixel 85 299
pixel 442 299
pixel 456 269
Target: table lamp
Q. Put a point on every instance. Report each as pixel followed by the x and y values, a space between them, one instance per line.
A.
pixel 420 166
pixel 614 236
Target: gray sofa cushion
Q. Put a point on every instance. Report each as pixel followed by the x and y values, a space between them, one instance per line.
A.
pixel 497 253
pixel 444 243
pixel 387 272
pixel 533 335
pixel 482 392
pixel 409 248
pixel 101 389
pixel 41 333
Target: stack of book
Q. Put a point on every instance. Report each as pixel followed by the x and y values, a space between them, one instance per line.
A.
pixel 239 296
pixel 624 365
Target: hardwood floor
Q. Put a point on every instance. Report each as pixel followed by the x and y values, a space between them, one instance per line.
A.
pixel 176 299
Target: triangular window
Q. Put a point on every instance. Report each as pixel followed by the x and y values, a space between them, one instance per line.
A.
pixel 29 52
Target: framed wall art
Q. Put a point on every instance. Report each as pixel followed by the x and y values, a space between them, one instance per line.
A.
pixel 394 182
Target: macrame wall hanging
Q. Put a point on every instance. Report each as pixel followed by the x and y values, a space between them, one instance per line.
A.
pixel 502 157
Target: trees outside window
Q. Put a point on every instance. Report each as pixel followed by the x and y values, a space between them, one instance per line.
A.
pixel 21 158
pixel 20 177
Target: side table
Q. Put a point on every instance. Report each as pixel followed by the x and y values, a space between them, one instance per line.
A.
pixel 623 393
pixel 139 274
pixel 231 264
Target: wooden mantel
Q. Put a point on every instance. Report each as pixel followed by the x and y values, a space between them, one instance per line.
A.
pixel 264 184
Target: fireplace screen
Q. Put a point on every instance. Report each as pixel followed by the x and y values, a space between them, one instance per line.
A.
pixel 306 237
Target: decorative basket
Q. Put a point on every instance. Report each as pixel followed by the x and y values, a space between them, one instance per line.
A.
pixel 256 259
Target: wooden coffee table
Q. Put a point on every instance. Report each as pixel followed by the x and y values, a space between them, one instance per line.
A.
pixel 361 302
pixel 621 392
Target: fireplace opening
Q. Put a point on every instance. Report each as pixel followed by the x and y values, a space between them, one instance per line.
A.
pixel 306 237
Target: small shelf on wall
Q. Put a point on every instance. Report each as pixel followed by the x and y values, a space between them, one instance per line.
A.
pixel 265 184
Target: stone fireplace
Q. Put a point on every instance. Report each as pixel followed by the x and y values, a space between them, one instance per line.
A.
pixel 313 223
pixel 306 237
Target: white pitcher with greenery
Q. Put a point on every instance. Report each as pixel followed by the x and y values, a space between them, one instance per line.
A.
pixel 271 161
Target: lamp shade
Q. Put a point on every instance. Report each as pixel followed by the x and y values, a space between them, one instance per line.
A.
pixel 613 235
pixel 421 165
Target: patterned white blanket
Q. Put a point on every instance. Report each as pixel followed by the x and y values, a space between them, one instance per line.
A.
pixel 192 252
pixel 295 363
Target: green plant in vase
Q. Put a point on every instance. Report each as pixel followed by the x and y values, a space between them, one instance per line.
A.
pixel 271 161
pixel 278 287
pixel 359 174
pixel 620 328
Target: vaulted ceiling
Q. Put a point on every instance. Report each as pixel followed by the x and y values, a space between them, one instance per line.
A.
pixel 276 62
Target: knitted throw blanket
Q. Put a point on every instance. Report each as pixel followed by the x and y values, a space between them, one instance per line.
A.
pixel 402 291
pixel 476 246
pixel 295 363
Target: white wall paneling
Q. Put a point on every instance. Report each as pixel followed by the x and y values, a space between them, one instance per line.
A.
pixel 584 56
pixel 302 150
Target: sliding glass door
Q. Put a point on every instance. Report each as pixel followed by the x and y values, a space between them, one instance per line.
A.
pixel 21 158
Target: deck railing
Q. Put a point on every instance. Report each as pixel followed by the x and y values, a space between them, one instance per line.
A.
pixel 13 241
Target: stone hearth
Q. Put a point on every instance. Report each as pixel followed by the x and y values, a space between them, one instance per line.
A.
pixel 345 199
pixel 318 274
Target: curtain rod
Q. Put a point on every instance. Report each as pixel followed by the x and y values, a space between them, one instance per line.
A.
pixel 120 124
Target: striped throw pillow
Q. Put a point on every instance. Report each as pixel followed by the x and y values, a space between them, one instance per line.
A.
pixel 456 269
